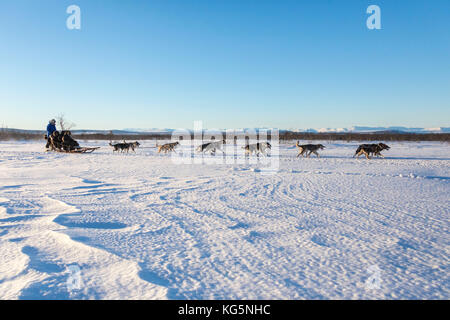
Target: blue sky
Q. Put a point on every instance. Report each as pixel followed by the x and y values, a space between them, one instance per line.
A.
pixel 229 63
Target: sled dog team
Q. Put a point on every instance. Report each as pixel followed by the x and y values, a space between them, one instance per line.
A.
pixel 124 146
pixel 304 150
pixel 365 149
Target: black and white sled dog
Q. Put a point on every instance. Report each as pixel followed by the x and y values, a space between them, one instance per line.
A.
pixel 124 146
pixel 307 149
pixel 257 148
pixel 211 147
pixel 120 146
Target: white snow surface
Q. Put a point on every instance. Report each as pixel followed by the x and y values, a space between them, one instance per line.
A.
pixel 139 226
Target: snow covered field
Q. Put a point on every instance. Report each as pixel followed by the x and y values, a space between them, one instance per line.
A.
pixel 139 226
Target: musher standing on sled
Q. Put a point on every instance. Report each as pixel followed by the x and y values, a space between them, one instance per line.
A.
pixel 51 127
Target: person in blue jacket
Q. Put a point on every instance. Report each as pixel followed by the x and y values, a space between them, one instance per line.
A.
pixel 51 127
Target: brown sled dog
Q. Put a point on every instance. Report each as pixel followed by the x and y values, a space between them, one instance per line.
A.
pixel 168 147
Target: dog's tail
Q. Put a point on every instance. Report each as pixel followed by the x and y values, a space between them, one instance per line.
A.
pixel 357 151
pixel 297 145
pixel 110 143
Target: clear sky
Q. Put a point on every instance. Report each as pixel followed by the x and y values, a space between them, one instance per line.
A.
pixel 229 63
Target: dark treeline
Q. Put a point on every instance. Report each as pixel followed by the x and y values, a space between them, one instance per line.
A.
pixel 12 135
pixel 376 136
pixel 284 135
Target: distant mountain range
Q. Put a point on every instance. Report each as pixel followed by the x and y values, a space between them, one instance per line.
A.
pixel 362 129
pixel 355 129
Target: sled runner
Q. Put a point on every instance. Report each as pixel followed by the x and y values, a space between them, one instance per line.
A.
pixel 78 150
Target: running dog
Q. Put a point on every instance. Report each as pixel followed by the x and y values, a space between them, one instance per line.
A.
pixel 120 146
pixel 168 147
pixel 134 145
pixel 257 148
pixel 211 147
pixel 312 148
pixel 368 149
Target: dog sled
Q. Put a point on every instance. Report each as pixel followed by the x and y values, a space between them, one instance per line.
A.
pixel 63 142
